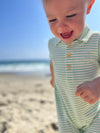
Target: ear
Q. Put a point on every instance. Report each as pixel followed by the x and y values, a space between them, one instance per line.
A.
pixel 90 6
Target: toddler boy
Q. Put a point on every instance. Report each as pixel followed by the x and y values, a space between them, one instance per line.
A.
pixel 75 58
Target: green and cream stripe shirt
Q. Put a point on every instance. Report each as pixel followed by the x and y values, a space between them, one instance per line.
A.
pixel 74 64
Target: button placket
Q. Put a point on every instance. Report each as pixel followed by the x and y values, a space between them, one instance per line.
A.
pixel 68 66
pixel 69 45
pixel 68 56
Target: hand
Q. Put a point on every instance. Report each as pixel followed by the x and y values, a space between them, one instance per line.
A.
pixel 89 91
pixel 52 74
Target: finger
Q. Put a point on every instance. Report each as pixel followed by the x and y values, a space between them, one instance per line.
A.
pixel 79 91
pixel 86 99
pixel 83 95
pixel 90 101
pixel 93 101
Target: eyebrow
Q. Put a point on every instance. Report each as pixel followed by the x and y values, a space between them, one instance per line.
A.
pixel 49 16
pixel 72 9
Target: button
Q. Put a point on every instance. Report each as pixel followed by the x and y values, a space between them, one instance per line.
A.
pixel 69 55
pixel 69 45
pixel 69 66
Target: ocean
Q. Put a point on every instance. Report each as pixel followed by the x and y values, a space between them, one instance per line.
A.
pixel 25 67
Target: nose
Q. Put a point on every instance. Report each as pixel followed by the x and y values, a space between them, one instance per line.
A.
pixel 62 27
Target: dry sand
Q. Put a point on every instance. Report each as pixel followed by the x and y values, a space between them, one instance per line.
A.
pixel 27 105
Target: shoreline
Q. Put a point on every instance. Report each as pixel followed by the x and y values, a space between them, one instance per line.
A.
pixel 26 74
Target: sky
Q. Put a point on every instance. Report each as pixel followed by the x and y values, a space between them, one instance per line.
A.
pixel 24 30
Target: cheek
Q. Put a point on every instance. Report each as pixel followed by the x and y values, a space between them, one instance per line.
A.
pixel 78 24
pixel 52 28
pixel 80 19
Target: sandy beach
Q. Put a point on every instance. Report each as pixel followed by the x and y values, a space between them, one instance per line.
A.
pixel 27 104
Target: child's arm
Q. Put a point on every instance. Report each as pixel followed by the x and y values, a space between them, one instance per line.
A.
pixel 89 91
pixel 52 74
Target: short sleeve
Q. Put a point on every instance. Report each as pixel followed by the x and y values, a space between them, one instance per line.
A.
pixel 49 47
pixel 52 46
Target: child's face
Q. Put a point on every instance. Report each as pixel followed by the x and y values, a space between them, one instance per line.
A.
pixel 66 18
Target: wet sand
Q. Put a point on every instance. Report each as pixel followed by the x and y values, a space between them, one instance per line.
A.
pixel 27 104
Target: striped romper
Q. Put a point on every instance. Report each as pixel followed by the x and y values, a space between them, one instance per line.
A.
pixel 74 64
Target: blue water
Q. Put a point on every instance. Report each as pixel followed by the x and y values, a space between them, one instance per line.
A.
pixel 25 66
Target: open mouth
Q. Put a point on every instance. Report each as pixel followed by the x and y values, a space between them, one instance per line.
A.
pixel 66 35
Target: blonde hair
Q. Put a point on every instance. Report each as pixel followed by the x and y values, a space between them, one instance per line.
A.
pixel 90 1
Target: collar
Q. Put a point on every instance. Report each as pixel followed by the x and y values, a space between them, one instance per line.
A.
pixel 84 37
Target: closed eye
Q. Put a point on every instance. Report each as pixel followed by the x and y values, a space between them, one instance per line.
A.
pixel 52 20
pixel 69 16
